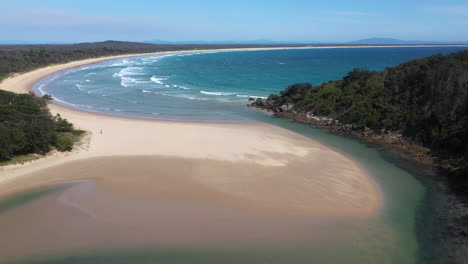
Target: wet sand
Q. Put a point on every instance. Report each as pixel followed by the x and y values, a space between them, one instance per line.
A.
pixel 119 201
pixel 151 201
pixel 213 181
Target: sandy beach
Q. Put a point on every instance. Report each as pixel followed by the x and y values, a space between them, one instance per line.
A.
pixel 248 166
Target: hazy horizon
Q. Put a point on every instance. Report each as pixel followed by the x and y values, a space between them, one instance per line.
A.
pixel 336 21
pixel 392 41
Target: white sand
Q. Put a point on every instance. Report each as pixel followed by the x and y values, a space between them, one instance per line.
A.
pixel 318 170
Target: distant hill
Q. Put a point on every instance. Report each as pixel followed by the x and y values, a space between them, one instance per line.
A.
pixel 203 42
pixel 226 42
pixel 387 41
pixel 392 41
pixel 109 44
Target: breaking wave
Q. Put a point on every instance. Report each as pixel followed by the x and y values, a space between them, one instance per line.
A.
pixel 158 79
pixel 217 93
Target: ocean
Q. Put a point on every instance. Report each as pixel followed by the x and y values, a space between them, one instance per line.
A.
pixel 215 86
pixel 211 86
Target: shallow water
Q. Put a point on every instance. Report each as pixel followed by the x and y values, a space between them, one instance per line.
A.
pixel 211 87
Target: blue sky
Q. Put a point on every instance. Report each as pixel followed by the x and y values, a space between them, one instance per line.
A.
pixel 240 20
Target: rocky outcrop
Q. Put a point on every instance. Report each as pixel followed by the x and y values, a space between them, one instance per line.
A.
pixel 270 104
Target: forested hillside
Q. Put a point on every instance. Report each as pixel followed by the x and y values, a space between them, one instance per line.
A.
pixel 426 100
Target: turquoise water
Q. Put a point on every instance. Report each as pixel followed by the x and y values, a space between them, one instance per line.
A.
pixel 214 86
pixel 211 86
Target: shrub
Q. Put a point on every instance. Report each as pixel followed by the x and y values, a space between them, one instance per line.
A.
pixel 77 132
pixel 64 143
pixel 62 124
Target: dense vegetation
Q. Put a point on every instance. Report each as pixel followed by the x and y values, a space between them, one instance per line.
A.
pixel 26 126
pixel 426 100
pixel 21 58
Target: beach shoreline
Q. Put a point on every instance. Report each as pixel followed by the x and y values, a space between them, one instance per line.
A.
pixel 260 145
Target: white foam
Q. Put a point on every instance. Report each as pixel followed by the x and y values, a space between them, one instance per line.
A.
pixel 80 87
pixel 40 89
pixel 250 96
pixel 146 91
pixel 129 71
pixel 123 62
pixel 68 103
pixel 124 74
pixel 178 95
pixel 185 54
pixel 127 81
pixel 181 87
pixel 85 106
pixel 158 79
pixel 191 97
pixel 217 93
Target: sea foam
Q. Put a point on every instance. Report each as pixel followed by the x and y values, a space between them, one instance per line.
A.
pixel 125 73
pixel 250 96
pixel 217 93
pixel 158 79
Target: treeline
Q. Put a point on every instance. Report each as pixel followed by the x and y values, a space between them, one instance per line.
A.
pixel 21 58
pixel 426 100
pixel 27 126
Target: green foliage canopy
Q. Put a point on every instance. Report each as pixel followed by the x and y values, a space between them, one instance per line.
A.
pixel 26 126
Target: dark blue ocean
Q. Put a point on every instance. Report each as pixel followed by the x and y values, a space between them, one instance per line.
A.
pixel 212 86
